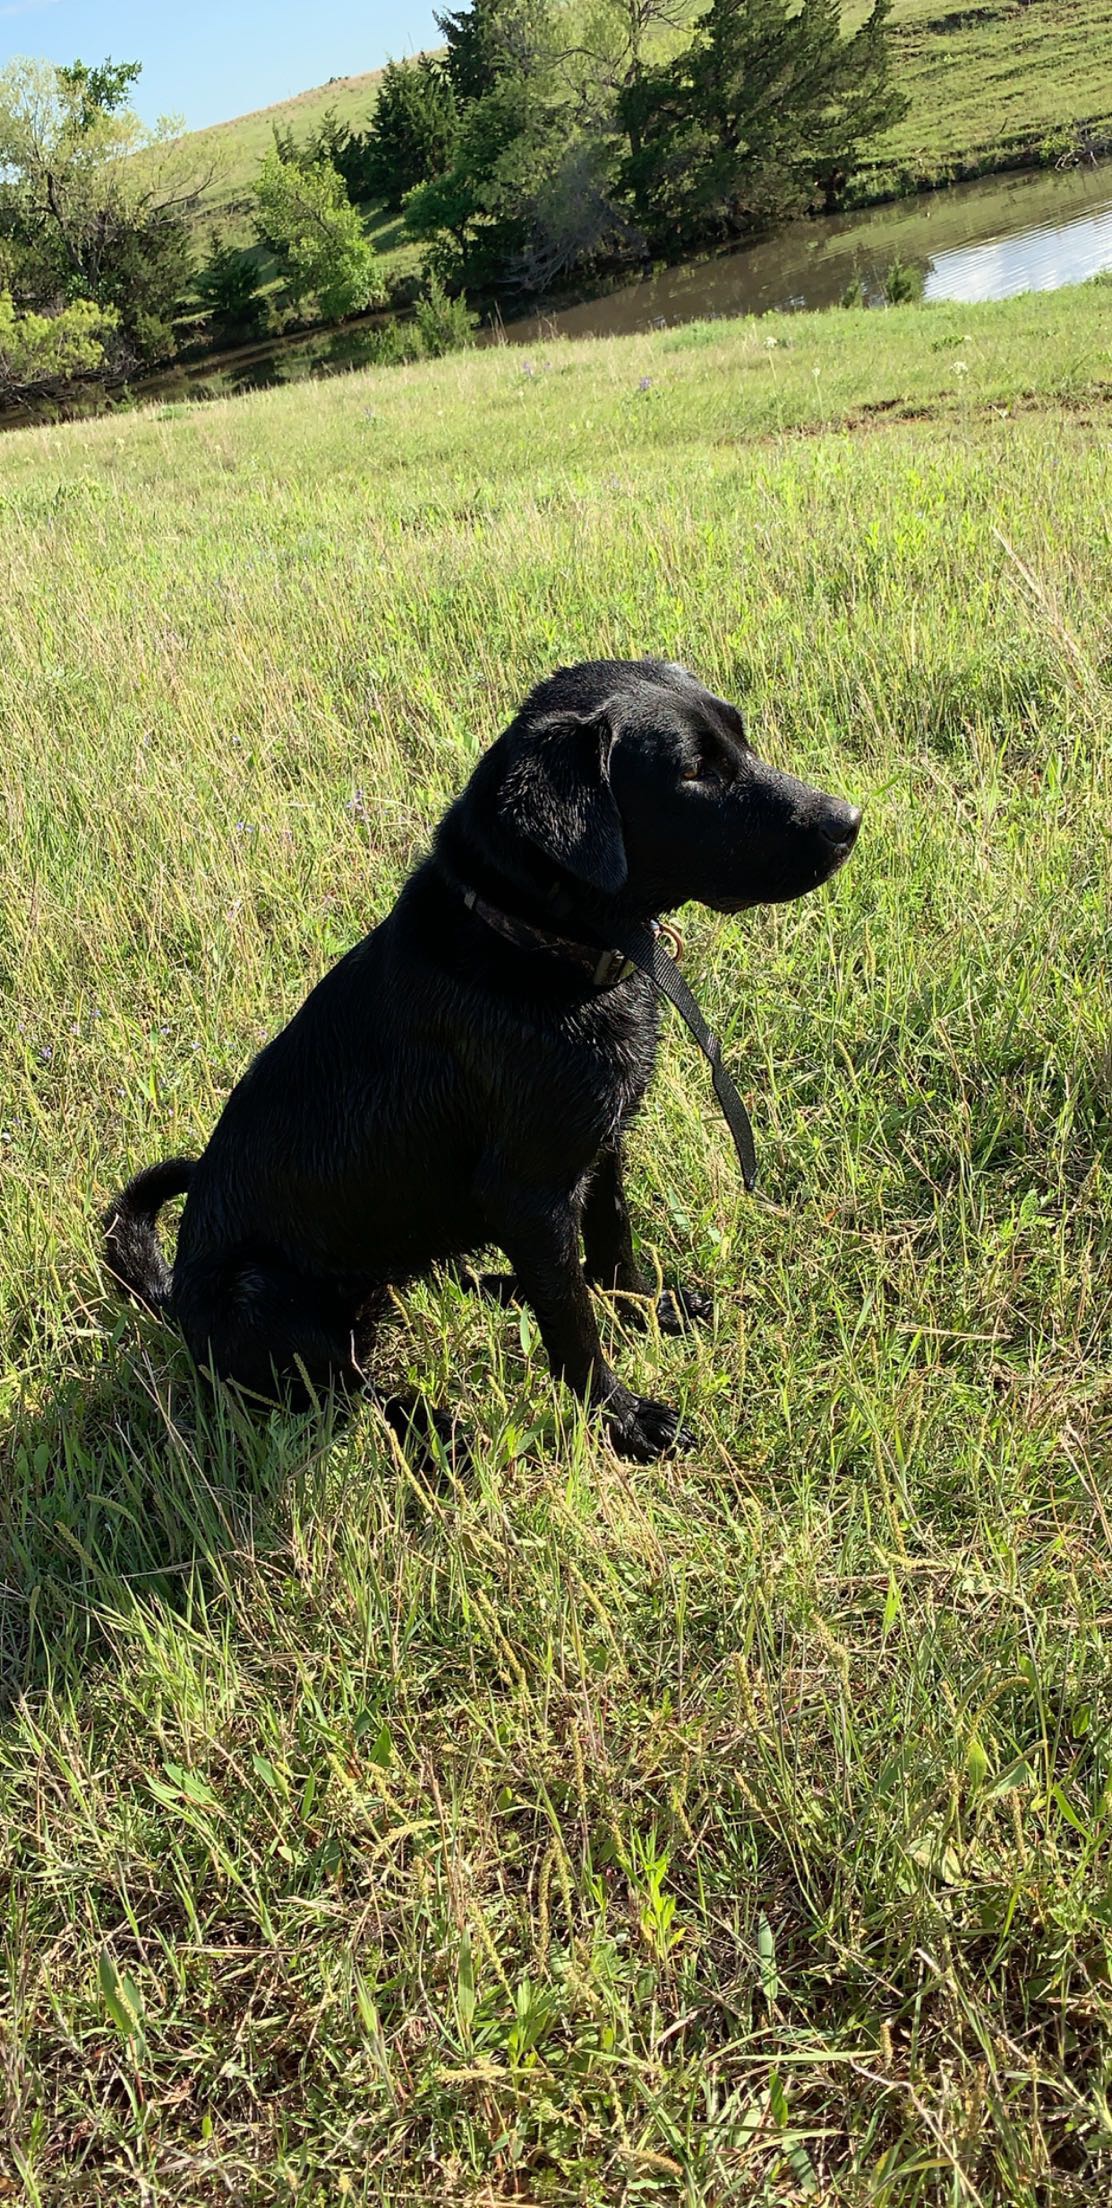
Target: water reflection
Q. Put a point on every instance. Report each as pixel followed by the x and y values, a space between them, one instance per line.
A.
pixel 986 240
pixel 1037 259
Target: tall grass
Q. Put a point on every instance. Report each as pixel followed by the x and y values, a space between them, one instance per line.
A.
pixel 734 1830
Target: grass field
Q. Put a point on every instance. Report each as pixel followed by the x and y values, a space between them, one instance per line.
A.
pixel 731 1831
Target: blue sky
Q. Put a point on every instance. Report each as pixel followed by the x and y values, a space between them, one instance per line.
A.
pixel 211 59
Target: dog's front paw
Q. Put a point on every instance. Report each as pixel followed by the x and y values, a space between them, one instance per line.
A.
pixel 644 1430
pixel 677 1308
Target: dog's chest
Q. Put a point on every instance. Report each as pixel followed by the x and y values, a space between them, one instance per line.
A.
pixel 612 1044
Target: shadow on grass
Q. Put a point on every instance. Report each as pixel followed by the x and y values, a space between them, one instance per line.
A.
pixel 134 1480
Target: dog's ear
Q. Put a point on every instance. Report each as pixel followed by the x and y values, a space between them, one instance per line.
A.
pixel 557 794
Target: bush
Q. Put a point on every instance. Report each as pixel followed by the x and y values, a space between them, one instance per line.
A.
pixel 305 216
pixel 446 325
pixel 43 355
pixel 902 284
pixel 396 346
pixel 228 288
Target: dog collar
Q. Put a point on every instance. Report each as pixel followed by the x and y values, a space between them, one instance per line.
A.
pixel 645 953
pixel 604 969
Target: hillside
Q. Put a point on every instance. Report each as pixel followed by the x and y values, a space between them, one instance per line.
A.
pixel 234 149
pixel 987 80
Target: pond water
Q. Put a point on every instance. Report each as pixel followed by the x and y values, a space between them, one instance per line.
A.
pixel 985 240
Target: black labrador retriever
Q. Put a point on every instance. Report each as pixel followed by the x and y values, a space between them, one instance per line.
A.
pixel 465 1074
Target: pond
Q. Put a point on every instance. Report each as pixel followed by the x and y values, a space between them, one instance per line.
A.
pixel 984 240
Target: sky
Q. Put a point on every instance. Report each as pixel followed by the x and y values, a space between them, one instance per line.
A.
pixel 209 60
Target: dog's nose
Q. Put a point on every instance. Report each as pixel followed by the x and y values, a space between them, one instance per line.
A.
pixel 839 825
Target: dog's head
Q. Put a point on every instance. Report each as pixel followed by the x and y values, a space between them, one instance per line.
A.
pixel 641 791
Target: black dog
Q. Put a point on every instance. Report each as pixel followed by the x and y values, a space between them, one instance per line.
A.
pixel 465 1074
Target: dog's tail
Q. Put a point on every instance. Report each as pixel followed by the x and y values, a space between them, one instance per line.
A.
pixel 131 1247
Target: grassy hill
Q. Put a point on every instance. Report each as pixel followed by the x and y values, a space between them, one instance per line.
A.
pixel 732 1830
pixel 986 82
pixel 235 149
pixel 986 79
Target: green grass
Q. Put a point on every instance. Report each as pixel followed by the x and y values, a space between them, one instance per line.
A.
pixel 730 1831
pixel 988 82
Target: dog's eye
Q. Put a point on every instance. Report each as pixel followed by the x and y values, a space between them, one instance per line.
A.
pixel 707 772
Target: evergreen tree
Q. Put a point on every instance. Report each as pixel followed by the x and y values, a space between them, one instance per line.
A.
pixel 228 286
pixel 478 213
pixel 413 130
pixel 758 118
pixel 492 40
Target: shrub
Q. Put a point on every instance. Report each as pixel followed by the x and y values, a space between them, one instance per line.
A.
pixel 446 325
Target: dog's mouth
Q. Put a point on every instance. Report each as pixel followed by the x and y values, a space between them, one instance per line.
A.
pixel 835 844
pixel 782 893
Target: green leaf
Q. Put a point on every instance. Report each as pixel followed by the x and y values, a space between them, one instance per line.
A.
pixel 893 1604
pixel 271 1778
pixel 382 1752
pixel 121 1999
pixel 193 1788
pixel 1062 1802
pixel 465 1987
pixel 766 1957
pixel 1018 1773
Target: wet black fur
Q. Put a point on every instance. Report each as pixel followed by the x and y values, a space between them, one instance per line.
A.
pixel 442 1089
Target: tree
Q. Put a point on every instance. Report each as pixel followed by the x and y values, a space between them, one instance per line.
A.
pixel 479 214
pixel 92 205
pixel 43 356
pixel 612 43
pixel 758 118
pixel 228 286
pixel 333 140
pixel 305 216
pixel 102 90
pixel 492 40
pixel 482 205
pixel 413 130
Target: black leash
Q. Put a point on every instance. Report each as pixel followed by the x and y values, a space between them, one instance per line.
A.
pixel 644 947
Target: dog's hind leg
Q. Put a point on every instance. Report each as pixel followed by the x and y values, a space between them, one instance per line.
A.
pixel 274 1332
pixel 427 1435
pixel 285 1338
